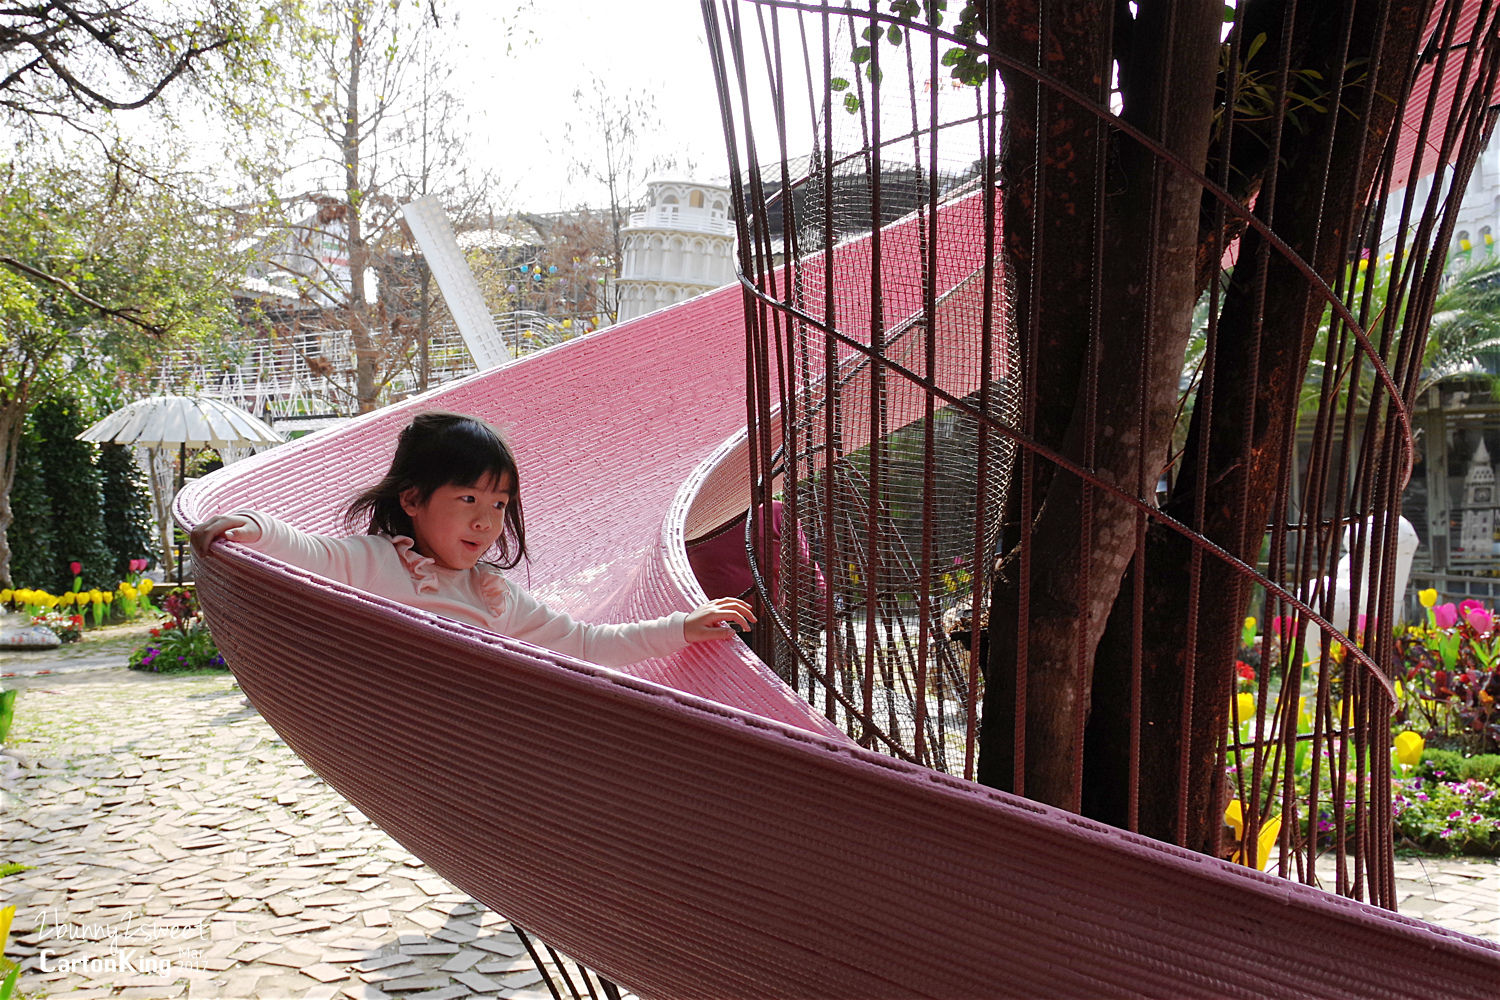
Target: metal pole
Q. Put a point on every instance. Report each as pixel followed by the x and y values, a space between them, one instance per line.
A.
pixel 181 474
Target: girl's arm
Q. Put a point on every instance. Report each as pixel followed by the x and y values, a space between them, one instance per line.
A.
pixel 527 618
pixel 232 527
pixel 718 619
pixel 348 560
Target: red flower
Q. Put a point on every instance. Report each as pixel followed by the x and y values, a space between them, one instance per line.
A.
pixel 1245 670
pixel 76 567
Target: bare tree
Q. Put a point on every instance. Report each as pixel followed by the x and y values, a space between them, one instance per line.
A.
pixel 376 98
pixel 64 59
pixel 606 147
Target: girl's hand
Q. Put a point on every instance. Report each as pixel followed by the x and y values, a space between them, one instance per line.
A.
pixel 232 526
pixel 717 620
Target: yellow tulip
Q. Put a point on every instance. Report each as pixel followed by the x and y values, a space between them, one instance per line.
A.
pixel 1409 747
pixel 6 916
pixel 1250 624
pixel 1345 711
pixel 1234 815
pixel 67 599
pixel 1244 703
pixel 6 595
pixel 147 584
pixel 108 596
pixel 1269 831
pixel 1428 597
pixel 96 597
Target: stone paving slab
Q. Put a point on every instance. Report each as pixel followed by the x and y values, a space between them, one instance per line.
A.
pixel 179 849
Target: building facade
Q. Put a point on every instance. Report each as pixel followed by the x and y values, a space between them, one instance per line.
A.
pixel 680 246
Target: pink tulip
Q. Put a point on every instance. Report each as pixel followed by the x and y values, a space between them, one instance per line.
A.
pixel 1445 615
pixel 76 567
pixel 1469 605
pixel 1480 620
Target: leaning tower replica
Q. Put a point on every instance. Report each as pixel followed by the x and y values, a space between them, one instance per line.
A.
pixel 682 245
pixel 1477 528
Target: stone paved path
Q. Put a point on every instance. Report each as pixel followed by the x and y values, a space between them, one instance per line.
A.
pixel 170 827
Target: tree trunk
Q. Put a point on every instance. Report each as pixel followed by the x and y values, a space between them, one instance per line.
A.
pixel 12 423
pixel 366 353
pixel 1104 284
pixel 1235 463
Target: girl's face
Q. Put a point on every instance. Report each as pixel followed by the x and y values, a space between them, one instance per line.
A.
pixel 457 525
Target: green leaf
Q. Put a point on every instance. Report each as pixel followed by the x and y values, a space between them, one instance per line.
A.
pixel 851 103
pixel 861 54
pixel 1255 46
pixel 894 34
pixel 838 83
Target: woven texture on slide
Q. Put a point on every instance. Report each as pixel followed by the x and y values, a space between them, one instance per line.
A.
pixel 605 429
pixel 683 847
pixel 690 850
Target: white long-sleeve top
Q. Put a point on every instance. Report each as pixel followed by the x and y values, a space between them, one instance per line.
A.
pixel 390 567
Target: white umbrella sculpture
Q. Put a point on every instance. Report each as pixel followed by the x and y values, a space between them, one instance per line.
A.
pixel 187 422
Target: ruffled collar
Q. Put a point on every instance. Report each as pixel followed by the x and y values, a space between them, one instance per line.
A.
pixel 426 575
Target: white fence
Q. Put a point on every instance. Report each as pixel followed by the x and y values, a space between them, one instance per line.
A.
pixel 307 379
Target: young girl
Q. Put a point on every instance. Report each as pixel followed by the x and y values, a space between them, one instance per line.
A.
pixel 451 497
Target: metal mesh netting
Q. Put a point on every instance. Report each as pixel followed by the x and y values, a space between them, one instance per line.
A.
pixel 1119 348
pixel 887 460
pixel 890 520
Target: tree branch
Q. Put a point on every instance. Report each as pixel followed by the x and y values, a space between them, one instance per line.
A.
pixel 125 315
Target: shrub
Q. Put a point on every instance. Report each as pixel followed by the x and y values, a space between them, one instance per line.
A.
pixel 127 509
pixel 1438 765
pixel 30 535
pixel 1448 817
pixel 182 642
pixel 73 486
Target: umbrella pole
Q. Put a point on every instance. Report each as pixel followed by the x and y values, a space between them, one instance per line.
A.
pixel 181 473
pixel 161 507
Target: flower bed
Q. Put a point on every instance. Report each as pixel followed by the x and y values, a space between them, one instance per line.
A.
pixel 181 642
pixel 1445 790
pixel 69 613
pixel 1450 804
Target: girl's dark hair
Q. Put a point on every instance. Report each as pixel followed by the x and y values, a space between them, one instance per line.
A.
pixel 443 449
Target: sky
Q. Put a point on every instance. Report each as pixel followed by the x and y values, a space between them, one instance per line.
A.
pixel 521 100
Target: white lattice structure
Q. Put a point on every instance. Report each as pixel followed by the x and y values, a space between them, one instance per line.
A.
pixel 305 380
pixel 682 245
